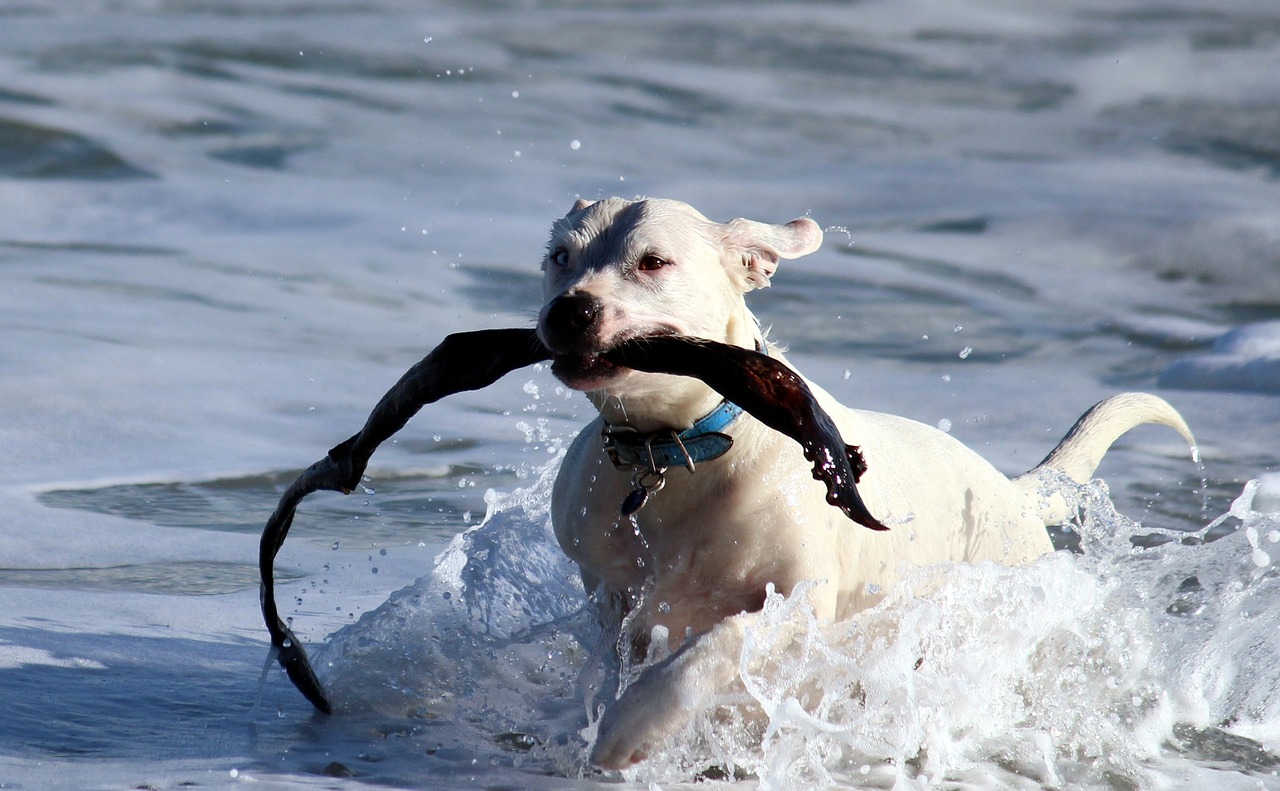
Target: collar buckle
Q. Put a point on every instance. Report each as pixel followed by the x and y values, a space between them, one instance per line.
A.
pixel 649 454
pixel 657 450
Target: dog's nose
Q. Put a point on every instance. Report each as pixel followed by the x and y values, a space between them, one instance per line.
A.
pixel 570 319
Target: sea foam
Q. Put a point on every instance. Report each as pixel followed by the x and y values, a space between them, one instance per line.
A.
pixel 1116 663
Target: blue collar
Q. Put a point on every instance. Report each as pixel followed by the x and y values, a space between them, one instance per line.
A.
pixel 657 450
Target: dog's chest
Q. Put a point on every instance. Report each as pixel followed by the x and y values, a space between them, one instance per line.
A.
pixel 678 574
pixel 697 541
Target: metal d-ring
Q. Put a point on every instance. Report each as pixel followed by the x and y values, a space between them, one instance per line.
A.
pixel 645 483
pixel 688 459
pixel 650 480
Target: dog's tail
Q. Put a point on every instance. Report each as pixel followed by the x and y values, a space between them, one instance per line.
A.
pixel 1081 450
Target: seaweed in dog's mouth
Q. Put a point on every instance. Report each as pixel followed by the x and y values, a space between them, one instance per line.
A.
pixel 764 387
pixel 577 369
pixel 574 369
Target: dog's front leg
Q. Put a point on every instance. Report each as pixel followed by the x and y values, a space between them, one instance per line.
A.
pixel 667 694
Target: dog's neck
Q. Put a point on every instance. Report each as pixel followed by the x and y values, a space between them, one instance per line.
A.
pixel 647 452
pixel 675 402
pixel 705 440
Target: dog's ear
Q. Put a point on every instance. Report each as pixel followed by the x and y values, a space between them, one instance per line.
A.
pixel 564 225
pixel 760 246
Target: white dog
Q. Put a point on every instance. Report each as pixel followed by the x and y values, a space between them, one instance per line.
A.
pixel 730 506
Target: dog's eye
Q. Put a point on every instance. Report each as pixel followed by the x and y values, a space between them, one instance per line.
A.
pixel 651 262
pixel 560 257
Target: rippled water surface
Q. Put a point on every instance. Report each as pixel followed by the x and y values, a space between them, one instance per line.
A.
pixel 227 227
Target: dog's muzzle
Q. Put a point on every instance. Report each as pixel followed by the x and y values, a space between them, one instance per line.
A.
pixel 570 327
pixel 571 323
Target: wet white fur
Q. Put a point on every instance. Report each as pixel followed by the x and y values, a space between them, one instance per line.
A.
pixel 703 550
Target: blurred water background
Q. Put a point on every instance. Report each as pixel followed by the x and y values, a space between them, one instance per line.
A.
pixel 226 227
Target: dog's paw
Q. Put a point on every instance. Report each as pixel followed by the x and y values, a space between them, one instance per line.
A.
pixel 641 721
pixel 629 733
pixel 612 752
pixel 669 694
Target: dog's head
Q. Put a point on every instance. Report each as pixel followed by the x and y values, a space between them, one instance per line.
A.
pixel 618 269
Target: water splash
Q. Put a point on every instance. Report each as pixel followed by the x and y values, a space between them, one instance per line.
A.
pixel 1104 669
pixel 1147 655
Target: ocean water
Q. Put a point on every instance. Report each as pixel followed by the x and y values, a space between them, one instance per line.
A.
pixel 227 227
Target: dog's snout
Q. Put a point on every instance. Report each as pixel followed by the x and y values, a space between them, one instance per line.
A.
pixel 571 320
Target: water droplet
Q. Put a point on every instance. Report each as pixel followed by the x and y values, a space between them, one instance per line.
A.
pixel 944 425
pixel 575 144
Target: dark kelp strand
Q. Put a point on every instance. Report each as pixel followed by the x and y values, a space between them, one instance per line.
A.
pixel 766 388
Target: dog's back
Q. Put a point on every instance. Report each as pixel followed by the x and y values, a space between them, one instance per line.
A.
pixel 945 503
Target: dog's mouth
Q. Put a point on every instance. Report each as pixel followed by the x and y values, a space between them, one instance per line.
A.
pixel 593 370
pixel 583 371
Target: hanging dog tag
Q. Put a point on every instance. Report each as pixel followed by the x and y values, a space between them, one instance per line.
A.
pixel 635 501
pixel 647 482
